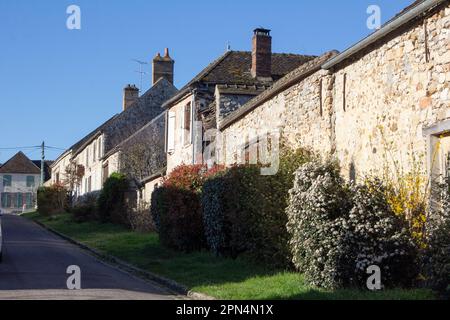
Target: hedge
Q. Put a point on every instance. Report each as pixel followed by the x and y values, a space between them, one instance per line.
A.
pixel 111 204
pixel 176 208
pixel 52 200
pixel 244 211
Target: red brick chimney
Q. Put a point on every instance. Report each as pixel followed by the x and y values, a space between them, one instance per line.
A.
pixel 130 95
pixel 163 67
pixel 262 54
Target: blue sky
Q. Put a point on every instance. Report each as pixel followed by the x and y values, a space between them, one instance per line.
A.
pixel 58 84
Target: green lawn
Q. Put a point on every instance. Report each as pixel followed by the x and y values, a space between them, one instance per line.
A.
pixel 203 272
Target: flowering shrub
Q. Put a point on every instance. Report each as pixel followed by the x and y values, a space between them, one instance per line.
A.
pixel 243 211
pixel 374 235
pixel 176 208
pixel 339 230
pixel 437 252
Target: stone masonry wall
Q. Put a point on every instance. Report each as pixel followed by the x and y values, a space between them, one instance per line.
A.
pixel 393 91
pixel 391 95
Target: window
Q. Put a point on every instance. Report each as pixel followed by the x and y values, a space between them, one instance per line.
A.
pixel 187 124
pixel 7 181
pixel 88 185
pixel 87 157
pixel 171 132
pixel 94 153
pixel 19 200
pixel 6 200
pixel 29 200
pixel 30 182
pixel 99 148
pixel 57 177
pixel 105 172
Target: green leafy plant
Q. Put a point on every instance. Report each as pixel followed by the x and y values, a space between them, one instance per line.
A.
pixel 52 200
pixel 111 203
pixel 244 211
pixel 176 208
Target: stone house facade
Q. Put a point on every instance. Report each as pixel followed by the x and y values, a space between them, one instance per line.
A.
pixel 224 86
pixel 142 158
pixel 383 103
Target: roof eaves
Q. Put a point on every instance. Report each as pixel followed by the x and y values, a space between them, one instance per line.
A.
pixel 398 21
pixel 290 79
pixel 189 86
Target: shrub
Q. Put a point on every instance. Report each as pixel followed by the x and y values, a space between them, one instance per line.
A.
pixel 339 230
pixel 176 209
pixel 85 207
pixel 111 202
pixel 51 200
pixel 244 211
pixel 437 252
pixel 140 218
pixel 375 235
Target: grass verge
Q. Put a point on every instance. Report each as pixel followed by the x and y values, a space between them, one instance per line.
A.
pixel 203 272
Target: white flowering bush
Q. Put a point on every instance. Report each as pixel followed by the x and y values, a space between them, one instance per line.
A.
pixel 374 235
pixel 338 230
pixel 437 252
pixel 317 202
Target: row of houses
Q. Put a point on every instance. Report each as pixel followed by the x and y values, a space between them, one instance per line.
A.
pixel 384 101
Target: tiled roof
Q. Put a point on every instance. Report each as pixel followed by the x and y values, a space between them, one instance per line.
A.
pixel 20 164
pixel 123 125
pixel 234 68
pixel 80 144
pixel 293 77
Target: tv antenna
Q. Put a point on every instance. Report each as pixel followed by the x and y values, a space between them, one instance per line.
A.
pixel 141 71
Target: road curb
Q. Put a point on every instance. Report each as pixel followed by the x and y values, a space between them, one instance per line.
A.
pixel 168 283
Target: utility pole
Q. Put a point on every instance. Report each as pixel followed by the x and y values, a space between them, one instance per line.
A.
pixel 42 163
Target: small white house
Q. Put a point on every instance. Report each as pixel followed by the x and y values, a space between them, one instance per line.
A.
pixel 19 181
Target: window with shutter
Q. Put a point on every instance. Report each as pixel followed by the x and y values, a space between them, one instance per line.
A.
pixel 29 200
pixel 7 181
pixel 30 182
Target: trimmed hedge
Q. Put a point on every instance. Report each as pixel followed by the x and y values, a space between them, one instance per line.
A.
pixel 339 230
pixel 244 211
pixel 52 200
pixel 111 203
pixel 176 209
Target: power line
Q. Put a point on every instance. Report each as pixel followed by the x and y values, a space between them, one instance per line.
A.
pixel 16 148
pixel 32 147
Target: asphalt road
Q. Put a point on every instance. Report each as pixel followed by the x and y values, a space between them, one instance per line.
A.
pixel 35 262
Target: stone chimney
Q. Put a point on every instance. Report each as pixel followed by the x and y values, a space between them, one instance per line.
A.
pixel 130 95
pixel 163 67
pixel 262 54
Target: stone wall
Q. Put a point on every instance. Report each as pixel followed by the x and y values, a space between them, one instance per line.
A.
pixel 393 91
